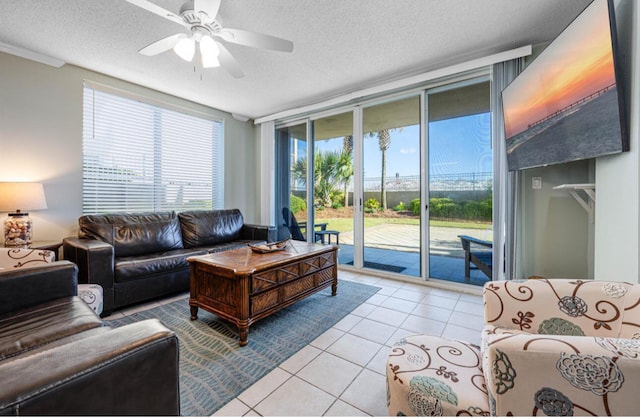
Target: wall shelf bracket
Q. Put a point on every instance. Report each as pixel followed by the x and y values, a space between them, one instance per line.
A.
pixel 589 190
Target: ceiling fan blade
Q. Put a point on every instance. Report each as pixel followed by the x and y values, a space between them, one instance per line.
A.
pixel 255 40
pixel 229 63
pixel 209 7
pixel 147 5
pixel 162 45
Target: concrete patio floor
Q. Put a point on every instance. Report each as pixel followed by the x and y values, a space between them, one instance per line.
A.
pixel 395 248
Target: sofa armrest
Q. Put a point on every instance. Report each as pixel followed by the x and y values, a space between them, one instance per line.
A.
pixel 562 375
pixel 95 260
pixel 258 232
pixel 26 287
pixel 126 371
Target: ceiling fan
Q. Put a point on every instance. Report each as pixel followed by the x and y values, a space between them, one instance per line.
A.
pixel 205 28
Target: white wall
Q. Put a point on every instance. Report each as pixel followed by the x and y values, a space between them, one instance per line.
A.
pixel 41 140
pixel 617 231
pixel 556 239
pixel 555 230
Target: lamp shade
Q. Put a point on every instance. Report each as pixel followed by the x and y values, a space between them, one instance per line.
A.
pixel 185 48
pixel 19 196
pixel 209 51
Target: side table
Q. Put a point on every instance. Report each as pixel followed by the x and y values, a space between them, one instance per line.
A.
pixel 52 245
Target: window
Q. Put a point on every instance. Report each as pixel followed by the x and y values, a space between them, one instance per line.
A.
pixel 141 157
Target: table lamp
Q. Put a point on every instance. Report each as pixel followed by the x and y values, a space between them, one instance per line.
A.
pixel 16 197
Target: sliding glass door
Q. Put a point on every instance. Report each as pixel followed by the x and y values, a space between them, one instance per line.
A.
pixel 391 186
pixel 394 182
pixel 333 182
pixel 291 181
pixel 460 169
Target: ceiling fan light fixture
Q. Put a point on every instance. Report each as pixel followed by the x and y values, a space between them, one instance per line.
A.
pixel 200 17
pixel 209 52
pixel 185 48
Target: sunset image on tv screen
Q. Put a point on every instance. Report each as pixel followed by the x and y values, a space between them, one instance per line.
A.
pixel 564 105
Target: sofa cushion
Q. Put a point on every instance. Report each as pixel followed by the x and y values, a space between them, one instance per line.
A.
pixel 136 267
pixel 134 234
pixel 201 228
pixel 35 326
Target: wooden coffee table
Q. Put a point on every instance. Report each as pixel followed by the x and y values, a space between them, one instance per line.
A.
pixel 243 286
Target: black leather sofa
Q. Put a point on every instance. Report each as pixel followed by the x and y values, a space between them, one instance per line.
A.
pixel 57 358
pixel 141 256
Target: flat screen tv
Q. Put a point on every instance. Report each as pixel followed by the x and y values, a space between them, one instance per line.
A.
pixel 567 104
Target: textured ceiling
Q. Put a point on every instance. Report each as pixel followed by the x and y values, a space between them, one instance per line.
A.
pixel 339 45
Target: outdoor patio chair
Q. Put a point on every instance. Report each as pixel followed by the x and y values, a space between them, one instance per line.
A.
pixel 323 235
pixel 482 260
pixel 292 224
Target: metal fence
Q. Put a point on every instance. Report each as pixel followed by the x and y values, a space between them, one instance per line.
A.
pixel 478 181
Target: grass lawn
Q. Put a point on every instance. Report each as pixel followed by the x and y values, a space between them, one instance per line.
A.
pixel 346 224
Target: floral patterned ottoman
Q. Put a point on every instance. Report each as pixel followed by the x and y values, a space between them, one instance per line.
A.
pixel 92 295
pixel 433 376
pixel 17 257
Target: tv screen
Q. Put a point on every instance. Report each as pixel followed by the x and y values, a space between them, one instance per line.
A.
pixel 567 104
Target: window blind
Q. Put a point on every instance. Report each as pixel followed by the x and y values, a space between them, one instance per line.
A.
pixel 139 156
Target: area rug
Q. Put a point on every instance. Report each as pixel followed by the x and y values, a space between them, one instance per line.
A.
pixel 214 369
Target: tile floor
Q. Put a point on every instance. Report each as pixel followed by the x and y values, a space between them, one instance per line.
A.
pixel 342 372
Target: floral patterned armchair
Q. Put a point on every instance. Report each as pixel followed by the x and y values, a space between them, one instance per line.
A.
pixel 550 347
pixel 562 347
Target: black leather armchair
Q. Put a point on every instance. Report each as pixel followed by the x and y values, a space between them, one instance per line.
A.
pixel 57 357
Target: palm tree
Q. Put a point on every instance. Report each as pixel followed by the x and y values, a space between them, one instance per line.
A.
pixel 384 141
pixel 326 176
pixel 346 166
pixel 344 173
pixel 347 144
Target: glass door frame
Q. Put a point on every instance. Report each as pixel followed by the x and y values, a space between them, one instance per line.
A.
pixel 358 190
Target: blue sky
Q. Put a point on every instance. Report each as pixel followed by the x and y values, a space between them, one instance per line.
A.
pixel 457 145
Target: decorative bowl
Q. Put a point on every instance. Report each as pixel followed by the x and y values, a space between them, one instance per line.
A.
pixel 269 247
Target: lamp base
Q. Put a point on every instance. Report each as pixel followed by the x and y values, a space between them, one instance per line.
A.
pixel 18 230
